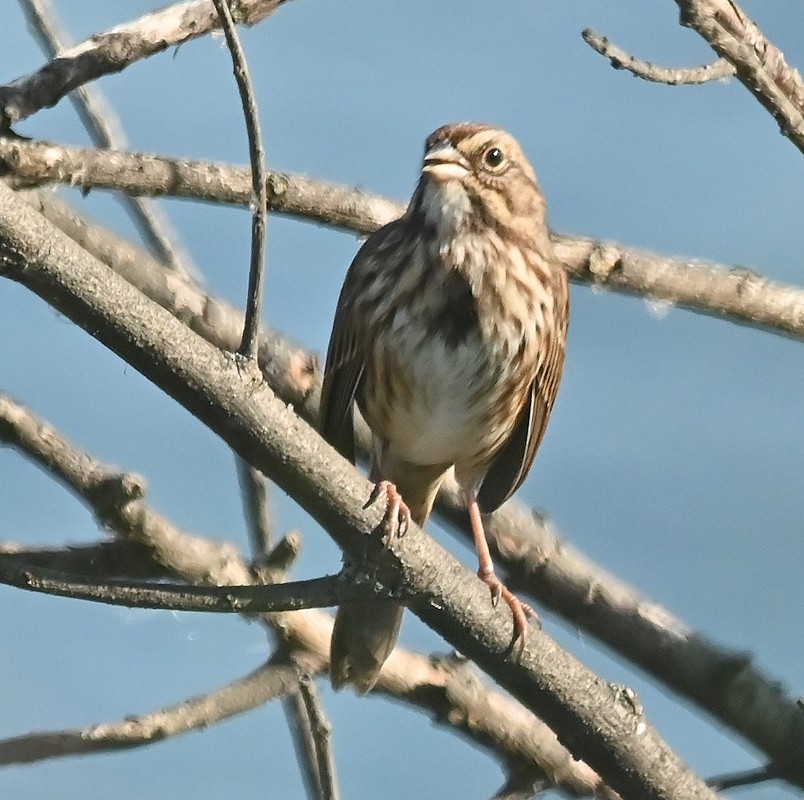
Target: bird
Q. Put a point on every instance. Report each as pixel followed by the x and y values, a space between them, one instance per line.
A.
pixel 449 336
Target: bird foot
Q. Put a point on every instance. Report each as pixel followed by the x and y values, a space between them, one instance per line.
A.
pixel 521 611
pixel 397 513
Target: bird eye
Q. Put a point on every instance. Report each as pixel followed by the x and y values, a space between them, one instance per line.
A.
pixel 493 157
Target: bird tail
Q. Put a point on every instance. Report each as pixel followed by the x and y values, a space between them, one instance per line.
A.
pixel 365 632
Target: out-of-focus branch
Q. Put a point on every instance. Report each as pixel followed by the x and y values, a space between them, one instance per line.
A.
pixel 114 50
pixel 673 76
pixel 536 559
pixel 269 681
pixel 751 777
pixel 759 65
pixel 605 731
pixel 321 735
pixel 304 743
pixel 105 130
pixel 733 293
pixel 254 493
pixel 736 294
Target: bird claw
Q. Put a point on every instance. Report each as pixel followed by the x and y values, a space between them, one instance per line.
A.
pixel 397 515
pixel 520 611
pixel 493 582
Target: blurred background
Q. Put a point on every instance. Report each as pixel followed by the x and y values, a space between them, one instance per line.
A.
pixel 675 451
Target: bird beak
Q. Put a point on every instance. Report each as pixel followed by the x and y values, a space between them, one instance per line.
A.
pixel 444 162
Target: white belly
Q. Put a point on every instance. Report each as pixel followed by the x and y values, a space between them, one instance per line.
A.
pixel 440 399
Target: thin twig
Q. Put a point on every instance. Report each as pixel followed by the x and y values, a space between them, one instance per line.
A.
pixel 673 76
pixel 321 730
pixel 455 699
pixel 323 592
pixel 106 131
pixel 733 780
pixel 256 274
pixel 113 50
pixel 254 493
pixel 734 293
pixel 269 681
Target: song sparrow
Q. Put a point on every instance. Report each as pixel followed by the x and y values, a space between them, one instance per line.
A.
pixel 449 335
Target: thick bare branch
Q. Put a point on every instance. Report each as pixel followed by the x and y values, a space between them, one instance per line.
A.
pixel 114 50
pixel 537 560
pixel 672 76
pixel 759 64
pixel 607 732
pixel 736 294
pixel 269 681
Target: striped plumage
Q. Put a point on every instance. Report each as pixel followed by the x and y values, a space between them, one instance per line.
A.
pixel 449 335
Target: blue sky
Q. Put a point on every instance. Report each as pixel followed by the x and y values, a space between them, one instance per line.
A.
pixel 674 455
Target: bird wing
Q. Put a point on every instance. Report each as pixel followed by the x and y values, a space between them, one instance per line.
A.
pixel 347 351
pixel 342 374
pixel 512 464
pixel 344 368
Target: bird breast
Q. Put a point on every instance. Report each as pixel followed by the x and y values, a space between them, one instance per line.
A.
pixel 445 382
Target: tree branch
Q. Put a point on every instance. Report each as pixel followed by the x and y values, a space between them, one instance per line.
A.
pixel 157 549
pixel 259 198
pixel 672 76
pixel 269 681
pixel 452 695
pixel 323 592
pixel 595 722
pixel 106 131
pixel 738 779
pixel 536 559
pixel 114 50
pixel 321 735
pixel 723 681
pixel 254 494
pixel 732 293
pixel 759 65
pixel 40 163
pixel 301 733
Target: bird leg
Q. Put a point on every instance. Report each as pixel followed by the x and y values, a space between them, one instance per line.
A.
pixel 397 513
pixel 485 571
